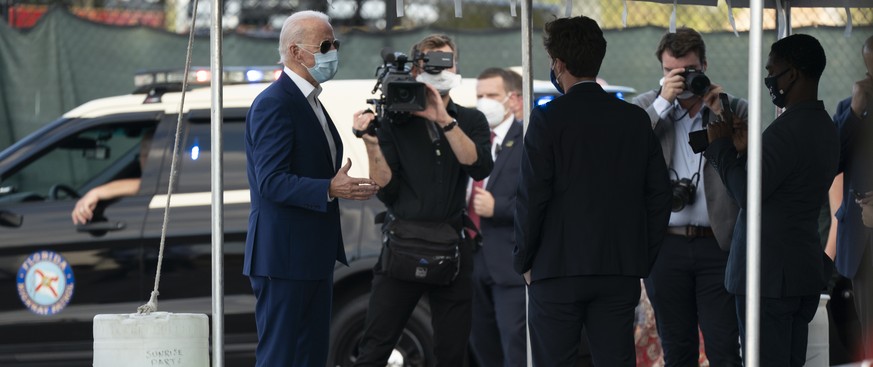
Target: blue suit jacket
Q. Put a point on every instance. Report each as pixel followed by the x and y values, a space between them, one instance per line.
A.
pixel 852 236
pixel 294 231
pixel 499 231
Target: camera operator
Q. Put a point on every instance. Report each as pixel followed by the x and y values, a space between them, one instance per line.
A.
pixel 422 166
pixel 686 286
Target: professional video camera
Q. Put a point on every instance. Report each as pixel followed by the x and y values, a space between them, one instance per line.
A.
pixel 400 93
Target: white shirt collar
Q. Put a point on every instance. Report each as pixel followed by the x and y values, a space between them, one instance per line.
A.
pixel 310 91
pixel 501 130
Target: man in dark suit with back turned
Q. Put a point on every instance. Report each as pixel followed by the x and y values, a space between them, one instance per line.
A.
pixel 498 334
pixel 592 207
pixel 799 162
pixel 294 238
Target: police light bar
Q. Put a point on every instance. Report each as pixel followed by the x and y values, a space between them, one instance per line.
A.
pixel 162 81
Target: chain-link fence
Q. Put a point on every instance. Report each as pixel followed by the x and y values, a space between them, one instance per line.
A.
pixel 55 55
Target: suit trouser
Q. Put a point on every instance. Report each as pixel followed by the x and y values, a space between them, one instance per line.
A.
pixel 686 287
pixel 559 308
pixel 862 287
pixel 293 321
pixel 499 335
pixel 784 328
pixel 392 302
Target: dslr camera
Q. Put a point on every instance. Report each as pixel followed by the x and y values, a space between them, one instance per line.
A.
pixel 684 193
pixel 400 94
pixel 696 81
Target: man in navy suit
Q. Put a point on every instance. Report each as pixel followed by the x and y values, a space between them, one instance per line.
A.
pixel 498 335
pixel 294 240
pixel 799 162
pixel 592 207
pixel 854 243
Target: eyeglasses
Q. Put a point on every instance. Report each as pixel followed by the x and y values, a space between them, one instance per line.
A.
pixel 324 47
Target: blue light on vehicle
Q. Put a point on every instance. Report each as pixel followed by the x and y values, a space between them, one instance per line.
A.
pixel 544 99
pixel 254 75
pixel 195 150
pixel 619 95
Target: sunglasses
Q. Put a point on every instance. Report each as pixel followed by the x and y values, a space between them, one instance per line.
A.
pixel 324 47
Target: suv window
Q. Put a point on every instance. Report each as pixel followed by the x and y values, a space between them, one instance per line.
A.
pixel 82 161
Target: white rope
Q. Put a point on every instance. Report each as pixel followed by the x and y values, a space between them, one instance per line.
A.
pixel 152 305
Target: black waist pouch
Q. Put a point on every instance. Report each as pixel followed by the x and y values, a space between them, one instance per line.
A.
pixel 423 252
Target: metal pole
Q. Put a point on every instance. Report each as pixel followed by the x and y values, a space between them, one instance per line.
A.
pixel 526 59
pixel 753 260
pixel 527 97
pixel 217 150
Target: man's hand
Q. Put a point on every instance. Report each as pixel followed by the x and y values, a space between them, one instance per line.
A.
pixel 483 203
pixel 741 134
pixel 674 84
pixel 343 186
pixel 861 94
pixel 718 129
pixel 711 99
pixel 867 209
pixel 435 110
pixel 361 122
pixel 83 211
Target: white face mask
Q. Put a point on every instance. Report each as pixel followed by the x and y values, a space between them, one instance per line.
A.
pixel 443 82
pixel 494 111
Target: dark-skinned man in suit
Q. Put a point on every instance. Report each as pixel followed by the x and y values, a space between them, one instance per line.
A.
pixel 799 162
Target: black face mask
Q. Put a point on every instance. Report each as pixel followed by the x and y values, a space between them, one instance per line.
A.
pixel 777 96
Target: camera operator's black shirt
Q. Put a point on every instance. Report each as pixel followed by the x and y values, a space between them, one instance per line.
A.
pixel 428 183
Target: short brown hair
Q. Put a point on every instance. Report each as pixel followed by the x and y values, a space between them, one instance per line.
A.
pixel 578 42
pixel 681 43
pixel 432 42
pixel 511 80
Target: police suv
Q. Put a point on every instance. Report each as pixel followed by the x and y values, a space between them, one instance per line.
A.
pixel 56 276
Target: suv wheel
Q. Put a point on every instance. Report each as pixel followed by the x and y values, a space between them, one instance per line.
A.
pixel 414 349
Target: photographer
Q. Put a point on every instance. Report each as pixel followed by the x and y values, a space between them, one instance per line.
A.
pixel 422 163
pixel 686 286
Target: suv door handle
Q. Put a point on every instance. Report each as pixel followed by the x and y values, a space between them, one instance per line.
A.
pixel 10 219
pixel 101 227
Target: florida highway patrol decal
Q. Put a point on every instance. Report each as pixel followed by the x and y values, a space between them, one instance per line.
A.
pixel 45 282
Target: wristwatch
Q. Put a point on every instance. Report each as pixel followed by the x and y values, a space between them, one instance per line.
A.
pixel 450 126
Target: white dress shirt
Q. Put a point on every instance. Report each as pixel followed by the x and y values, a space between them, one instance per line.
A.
pixel 684 161
pixel 311 92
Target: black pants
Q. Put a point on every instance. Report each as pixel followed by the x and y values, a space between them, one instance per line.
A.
pixel 392 302
pixel 862 285
pixel 784 328
pixel 686 287
pixel 559 308
pixel 498 337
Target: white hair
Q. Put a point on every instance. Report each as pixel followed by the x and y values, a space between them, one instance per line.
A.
pixel 293 32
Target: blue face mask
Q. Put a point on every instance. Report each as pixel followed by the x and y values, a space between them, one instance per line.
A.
pixel 555 81
pixel 325 66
